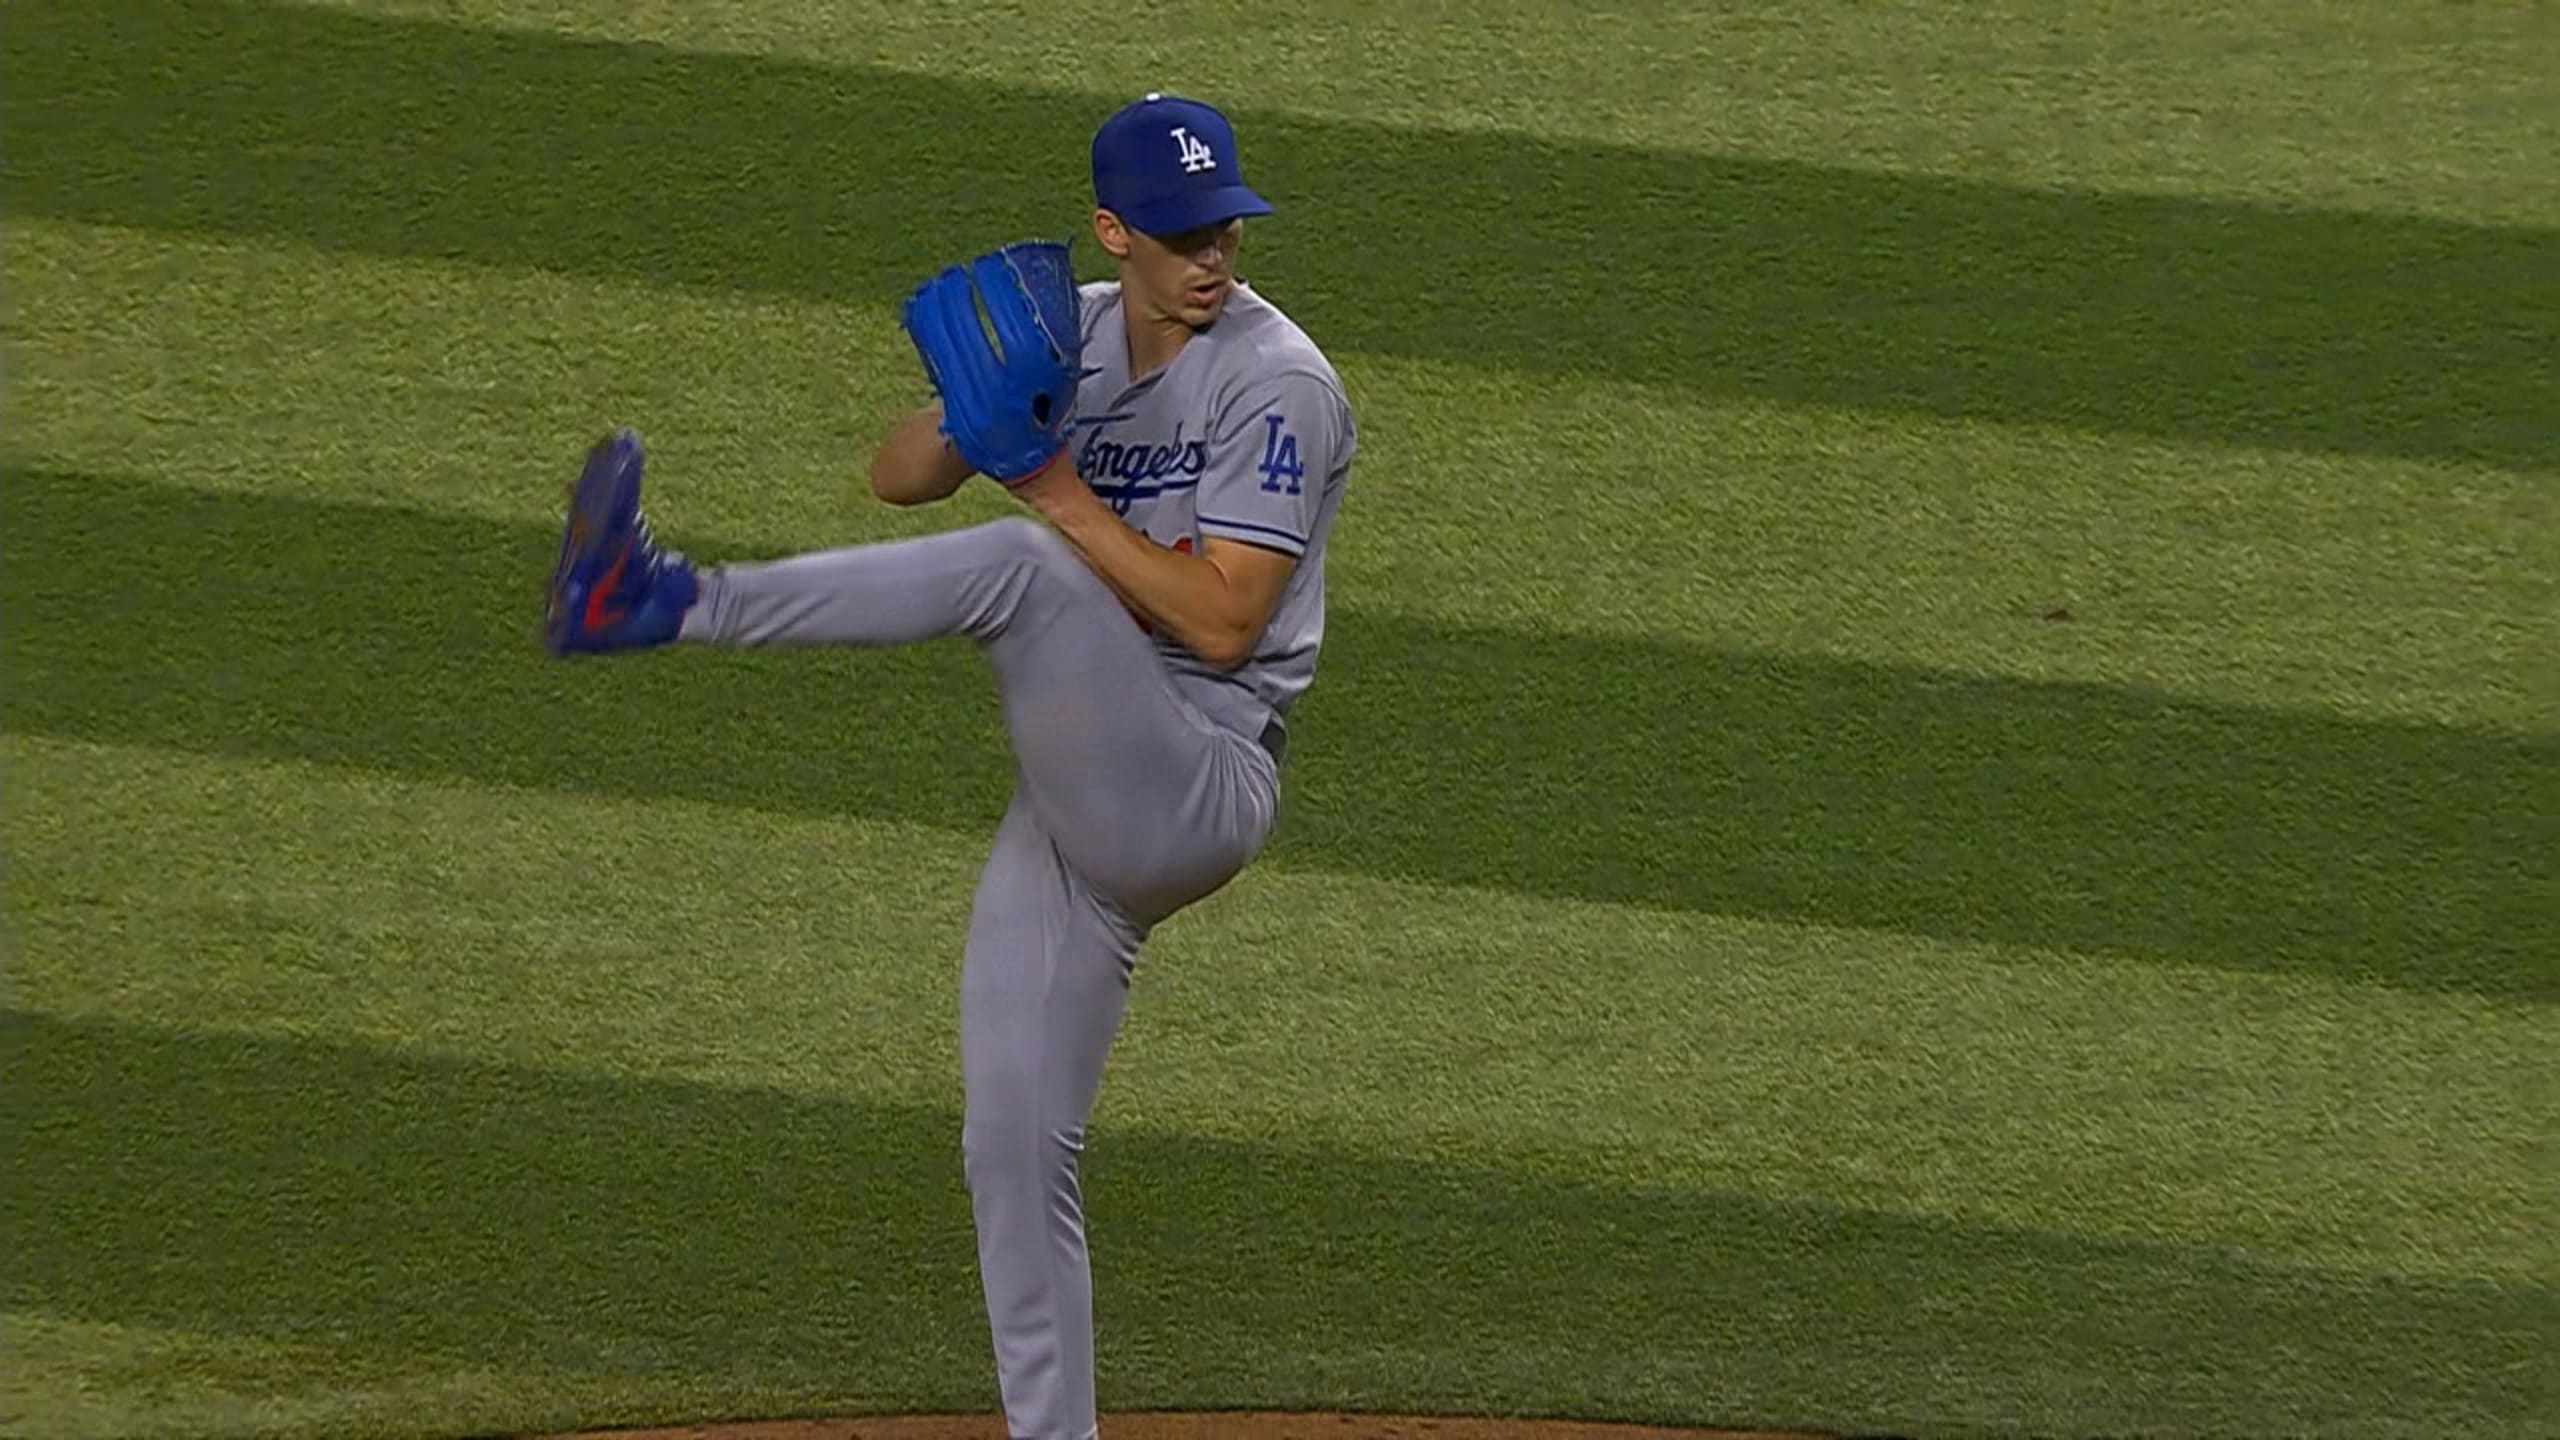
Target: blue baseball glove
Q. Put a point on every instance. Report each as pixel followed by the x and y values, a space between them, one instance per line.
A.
pixel 1006 395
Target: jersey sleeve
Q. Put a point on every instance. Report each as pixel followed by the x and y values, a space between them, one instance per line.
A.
pixel 1271 453
pixel 1093 302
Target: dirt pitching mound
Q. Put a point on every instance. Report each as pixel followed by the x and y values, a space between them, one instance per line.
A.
pixel 1214 1426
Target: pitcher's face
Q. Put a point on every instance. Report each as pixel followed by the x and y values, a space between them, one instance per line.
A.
pixel 1185 276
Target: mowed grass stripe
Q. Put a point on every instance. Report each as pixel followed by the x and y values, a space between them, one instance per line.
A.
pixel 2360 107
pixel 2389 588
pixel 2221 321
pixel 503 1216
pixel 2060 816
pixel 2293 1119
pixel 90 1380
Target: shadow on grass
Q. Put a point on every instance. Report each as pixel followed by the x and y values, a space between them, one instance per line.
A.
pixel 1617 770
pixel 2200 320
pixel 508 1216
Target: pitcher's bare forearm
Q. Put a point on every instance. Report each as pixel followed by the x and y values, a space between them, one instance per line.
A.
pixel 1215 602
pixel 915 465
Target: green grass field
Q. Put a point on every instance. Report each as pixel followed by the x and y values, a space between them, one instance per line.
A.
pixel 1730 958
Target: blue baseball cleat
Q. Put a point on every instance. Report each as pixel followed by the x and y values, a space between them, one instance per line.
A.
pixel 614 588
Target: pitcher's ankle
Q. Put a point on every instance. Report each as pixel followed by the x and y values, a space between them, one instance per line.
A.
pixel 698 627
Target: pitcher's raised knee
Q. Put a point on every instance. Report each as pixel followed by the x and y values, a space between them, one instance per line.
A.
pixel 1026 538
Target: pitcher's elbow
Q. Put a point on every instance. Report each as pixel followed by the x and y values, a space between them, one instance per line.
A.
pixel 1225 650
pixel 895 488
pixel 884 481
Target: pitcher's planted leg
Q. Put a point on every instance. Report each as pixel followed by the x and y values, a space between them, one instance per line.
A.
pixel 1042 991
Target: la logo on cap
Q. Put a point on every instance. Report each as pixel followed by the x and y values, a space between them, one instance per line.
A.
pixel 1195 153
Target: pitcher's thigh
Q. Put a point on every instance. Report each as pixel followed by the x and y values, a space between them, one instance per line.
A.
pixel 1043 983
pixel 1150 802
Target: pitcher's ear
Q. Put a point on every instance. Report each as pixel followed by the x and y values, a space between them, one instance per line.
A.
pixel 1110 234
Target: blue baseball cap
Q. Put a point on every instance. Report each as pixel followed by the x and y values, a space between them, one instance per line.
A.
pixel 1165 164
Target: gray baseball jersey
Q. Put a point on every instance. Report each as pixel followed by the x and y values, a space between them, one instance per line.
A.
pixel 1144 779
pixel 1247 435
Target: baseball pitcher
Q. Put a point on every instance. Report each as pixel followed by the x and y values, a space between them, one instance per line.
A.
pixel 1184 446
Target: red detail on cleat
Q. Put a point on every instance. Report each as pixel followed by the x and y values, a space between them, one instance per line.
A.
pixel 598 615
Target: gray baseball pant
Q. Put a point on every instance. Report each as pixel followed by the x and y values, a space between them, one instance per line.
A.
pixel 1129 803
